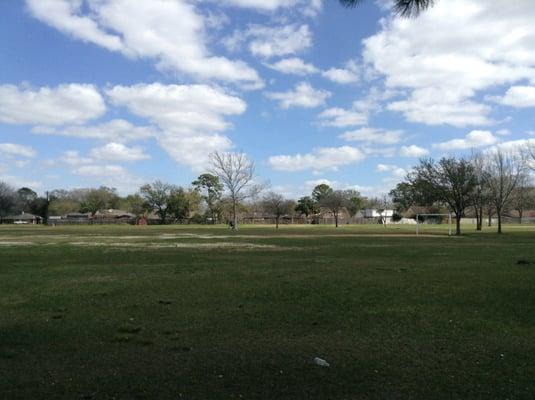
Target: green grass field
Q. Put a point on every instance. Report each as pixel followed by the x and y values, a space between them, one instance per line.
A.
pixel 203 313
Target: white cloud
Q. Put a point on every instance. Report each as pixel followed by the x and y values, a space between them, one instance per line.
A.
pixel 518 146
pixel 271 41
pixel 170 32
pixel 73 158
pixel 519 96
pixel 413 151
pixel 64 104
pixel 110 175
pixel 373 135
pixel 349 74
pixel 372 102
pixel 180 108
pixel 303 95
pixel 193 150
pixel 340 117
pixel 434 106
pixel 118 130
pixel 100 170
pixel 66 17
pixel 20 182
pixel 364 190
pixel 21 163
pixel 189 116
pixel 472 140
pixel 445 77
pixel 265 5
pixel 294 65
pixel 118 152
pixel 17 150
pixel 321 158
pixel 503 132
pixel 396 172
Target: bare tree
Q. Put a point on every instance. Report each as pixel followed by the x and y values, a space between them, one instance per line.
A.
pixel 504 172
pixel 236 173
pixel 277 205
pixel 334 201
pixel 523 196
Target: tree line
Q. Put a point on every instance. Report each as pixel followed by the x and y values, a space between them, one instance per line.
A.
pixel 495 182
pixel 491 183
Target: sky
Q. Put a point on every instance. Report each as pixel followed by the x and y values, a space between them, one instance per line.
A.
pixel 105 92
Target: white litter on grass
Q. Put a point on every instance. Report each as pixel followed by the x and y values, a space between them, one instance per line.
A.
pixel 321 362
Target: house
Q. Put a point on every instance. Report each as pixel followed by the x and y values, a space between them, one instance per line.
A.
pixel 22 219
pixel 74 216
pixel 114 214
pixel 373 213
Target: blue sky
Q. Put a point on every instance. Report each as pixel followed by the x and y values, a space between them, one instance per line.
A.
pixel 98 92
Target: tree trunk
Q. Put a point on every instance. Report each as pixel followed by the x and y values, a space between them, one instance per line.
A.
pixel 520 214
pixel 336 220
pixel 276 222
pixel 490 218
pixel 499 212
pixel 234 216
pixel 457 224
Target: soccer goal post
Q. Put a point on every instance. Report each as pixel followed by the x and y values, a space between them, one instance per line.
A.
pixel 433 215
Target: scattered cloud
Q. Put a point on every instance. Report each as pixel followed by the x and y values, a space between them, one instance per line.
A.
pixel 413 151
pixel 118 152
pixel 346 75
pixel 100 170
pixel 341 118
pixel 519 96
pixel 373 135
pixel 148 30
pixel 433 106
pixel 17 150
pixel 110 175
pixel 503 132
pixel 186 109
pixel 272 41
pixel 263 5
pixel 444 78
pixel 319 159
pixel 294 65
pixel 118 130
pixel 73 158
pixel 394 170
pixel 303 95
pixel 64 104
pixel 473 139
pixel 189 117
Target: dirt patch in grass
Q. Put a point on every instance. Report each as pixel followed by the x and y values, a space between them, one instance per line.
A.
pixel 144 246
pixel 296 236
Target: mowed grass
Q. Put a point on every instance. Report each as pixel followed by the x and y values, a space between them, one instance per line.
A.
pixel 203 313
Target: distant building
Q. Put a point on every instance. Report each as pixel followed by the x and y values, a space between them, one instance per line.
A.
pixel 114 214
pixel 373 213
pixel 22 219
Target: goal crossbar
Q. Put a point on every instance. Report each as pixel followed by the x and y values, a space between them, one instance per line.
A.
pixel 432 215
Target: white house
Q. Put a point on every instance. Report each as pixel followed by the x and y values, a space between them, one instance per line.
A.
pixel 373 213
